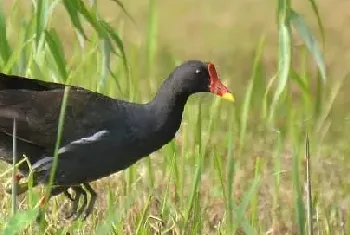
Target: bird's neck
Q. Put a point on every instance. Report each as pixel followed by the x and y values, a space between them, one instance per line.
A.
pixel 168 105
pixel 161 118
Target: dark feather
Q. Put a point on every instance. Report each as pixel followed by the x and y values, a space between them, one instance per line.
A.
pixel 37 112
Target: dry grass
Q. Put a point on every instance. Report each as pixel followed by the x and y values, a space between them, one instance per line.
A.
pixel 227 32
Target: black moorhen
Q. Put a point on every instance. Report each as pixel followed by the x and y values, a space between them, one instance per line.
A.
pixel 101 135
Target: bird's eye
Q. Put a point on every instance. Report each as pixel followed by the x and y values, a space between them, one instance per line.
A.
pixel 198 71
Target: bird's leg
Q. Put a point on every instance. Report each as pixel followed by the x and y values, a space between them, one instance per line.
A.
pixel 79 191
pixel 91 204
pixel 68 195
pixel 75 202
pixel 83 206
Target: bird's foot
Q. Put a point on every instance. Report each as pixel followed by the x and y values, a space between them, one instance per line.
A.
pixel 75 213
pixel 71 215
pixel 93 197
pixel 86 213
pixel 73 210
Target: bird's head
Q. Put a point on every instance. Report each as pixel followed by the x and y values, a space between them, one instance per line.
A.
pixel 196 76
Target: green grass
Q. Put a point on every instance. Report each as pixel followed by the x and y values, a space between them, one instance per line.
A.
pixel 232 169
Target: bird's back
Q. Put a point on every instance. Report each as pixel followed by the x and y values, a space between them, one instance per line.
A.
pixel 13 82
pixel 36 106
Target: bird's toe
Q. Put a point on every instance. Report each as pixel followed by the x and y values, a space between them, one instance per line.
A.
pixel 86 214
pixel 71 215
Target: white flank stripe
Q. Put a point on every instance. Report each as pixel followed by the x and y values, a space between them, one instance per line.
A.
pixel 41 162
pixel 88 140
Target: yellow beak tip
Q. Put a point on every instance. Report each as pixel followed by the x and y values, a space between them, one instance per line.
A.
pixel 228 96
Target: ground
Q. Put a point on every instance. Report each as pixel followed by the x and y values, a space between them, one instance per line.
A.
pixel 227 33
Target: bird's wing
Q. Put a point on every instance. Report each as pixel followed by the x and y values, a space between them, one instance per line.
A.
pixel 86 159
pixel 36 106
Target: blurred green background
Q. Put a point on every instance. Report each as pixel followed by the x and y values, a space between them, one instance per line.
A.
pixel 231 169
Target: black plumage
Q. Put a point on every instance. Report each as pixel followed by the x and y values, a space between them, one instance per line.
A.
pixel 101 135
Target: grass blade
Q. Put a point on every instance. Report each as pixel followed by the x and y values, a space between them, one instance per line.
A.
pixel 255 197
pixel 230 174
pixel 265 99
pixel 193 197
pixel 308 188
pixel 143 218
pixel 151 43
pixel 71 8
pixel 14 168
pixel 115 37
pixel 57 145
pixel 5 49
pixel 121 5
pixel 105 62
pixel 90 17
pixel 248 196
pixel 277 173
pixel 41 13
pixel 299 204
pixel 284 60
pixel 319 21
pixel 16 54
pixel 20 221
pixel 327 107
pixel 57 52
pixel 304 32
pixel 284 53
pixel 249 94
